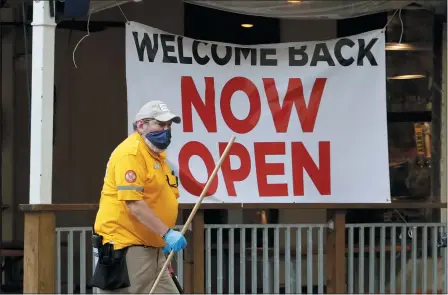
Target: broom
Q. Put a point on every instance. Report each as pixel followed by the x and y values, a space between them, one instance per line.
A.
pixel 193 212
pixel 176 281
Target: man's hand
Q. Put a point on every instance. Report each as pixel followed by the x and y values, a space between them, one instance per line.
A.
pixel 175 241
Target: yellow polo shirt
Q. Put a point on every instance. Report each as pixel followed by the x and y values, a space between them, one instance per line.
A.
pixel 135 172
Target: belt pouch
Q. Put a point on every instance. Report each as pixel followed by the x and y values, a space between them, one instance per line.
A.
pixel 111 271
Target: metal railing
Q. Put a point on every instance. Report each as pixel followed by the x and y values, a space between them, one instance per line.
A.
pixel 279 258
pixel 265 258
pixel 410 262
pixel 75 261
pixel 69 239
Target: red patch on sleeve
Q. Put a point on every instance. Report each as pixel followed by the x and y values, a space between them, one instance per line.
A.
pixel 130 176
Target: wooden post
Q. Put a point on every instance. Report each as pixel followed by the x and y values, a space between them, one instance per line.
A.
pixel 194 262
pixel 336 254
pixel 198 253
pixel 39 252
pixel 188 258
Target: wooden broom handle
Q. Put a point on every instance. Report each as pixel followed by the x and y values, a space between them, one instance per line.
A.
pixel 195 209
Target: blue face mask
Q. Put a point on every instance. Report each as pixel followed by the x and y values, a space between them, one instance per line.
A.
pixel 160 139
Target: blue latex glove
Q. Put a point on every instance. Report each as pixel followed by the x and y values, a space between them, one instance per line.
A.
pixel 175 241
pixel 166 250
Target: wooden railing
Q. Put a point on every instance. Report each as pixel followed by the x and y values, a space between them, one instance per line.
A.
pixel 40 231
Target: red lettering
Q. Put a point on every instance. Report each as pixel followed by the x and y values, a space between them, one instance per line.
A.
pixel 294 96
pixel 248 87
pixel 231 175
pixel 191 97
pixel 194 148
pixel 263 169
pixel 281 113
pixel 301 160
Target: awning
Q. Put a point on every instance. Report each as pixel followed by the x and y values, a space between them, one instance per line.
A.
pixel 301 9
pixel 316 9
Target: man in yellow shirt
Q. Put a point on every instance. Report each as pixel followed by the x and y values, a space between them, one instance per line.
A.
pixel 138 208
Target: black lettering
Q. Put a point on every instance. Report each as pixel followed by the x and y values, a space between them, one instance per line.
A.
pixel 245 53
pixel 146 44
pixel 221 60
pixel 200 60
pixel 364 51
pixel 264 61
pixel 292 51
pixel 180 47
pixel 338 51
pixel 321 53
pixel 168 48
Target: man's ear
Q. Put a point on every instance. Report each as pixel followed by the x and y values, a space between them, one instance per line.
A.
pixel 139 124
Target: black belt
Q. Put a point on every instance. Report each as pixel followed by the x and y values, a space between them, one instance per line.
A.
pixel 144 246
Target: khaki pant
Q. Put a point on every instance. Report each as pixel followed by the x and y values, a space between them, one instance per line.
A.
pixel 144 265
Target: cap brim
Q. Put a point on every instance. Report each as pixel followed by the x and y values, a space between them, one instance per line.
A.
pixel 168 117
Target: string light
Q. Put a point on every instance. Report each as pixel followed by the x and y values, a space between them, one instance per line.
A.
pixel 407 77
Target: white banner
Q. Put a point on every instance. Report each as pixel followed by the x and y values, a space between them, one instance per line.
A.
pixel 309 117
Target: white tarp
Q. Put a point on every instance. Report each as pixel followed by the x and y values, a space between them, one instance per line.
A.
pixel 303 9
pixel 316 9
pixel 310 117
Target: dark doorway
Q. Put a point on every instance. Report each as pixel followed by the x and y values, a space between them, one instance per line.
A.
pixel 221 26
pixel 358 25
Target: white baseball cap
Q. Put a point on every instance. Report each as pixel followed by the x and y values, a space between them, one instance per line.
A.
pixel 158 110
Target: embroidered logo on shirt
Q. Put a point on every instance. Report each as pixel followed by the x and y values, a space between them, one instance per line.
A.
pixel 130 176
pixel 156 166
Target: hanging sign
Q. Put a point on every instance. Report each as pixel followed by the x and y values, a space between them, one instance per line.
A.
pixel 310 117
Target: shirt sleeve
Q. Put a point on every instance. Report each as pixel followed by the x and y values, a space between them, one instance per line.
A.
pixel 130 177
